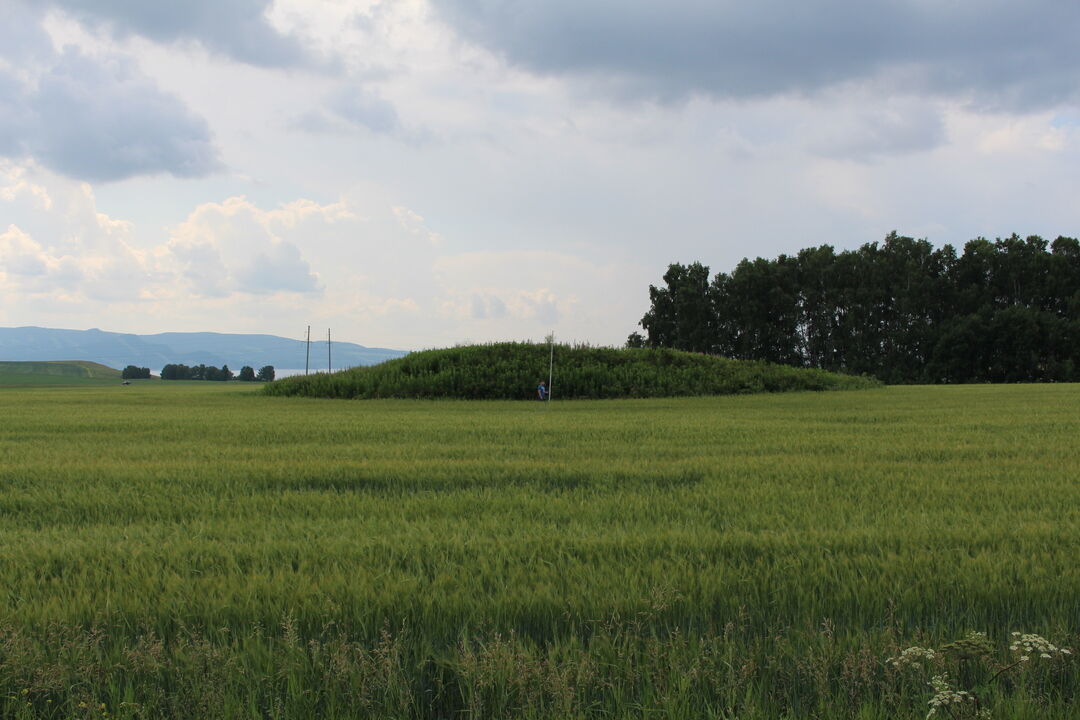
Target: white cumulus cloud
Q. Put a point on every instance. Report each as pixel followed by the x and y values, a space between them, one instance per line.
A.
pixel 234 246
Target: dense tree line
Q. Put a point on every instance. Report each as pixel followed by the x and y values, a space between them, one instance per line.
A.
pixel 131 372
pixel 197 372
pixel 248 374
pixel 208 372
pixel 1006 310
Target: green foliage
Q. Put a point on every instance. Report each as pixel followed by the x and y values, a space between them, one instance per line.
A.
pixel 1002 311
pixel 512 371
pixel 198 372
pixel 198 550
pixel 681 315
pixel 132 372
pixel 266 374
pixel 247 374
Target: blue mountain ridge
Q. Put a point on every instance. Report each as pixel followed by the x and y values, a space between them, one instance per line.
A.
pixel 119 350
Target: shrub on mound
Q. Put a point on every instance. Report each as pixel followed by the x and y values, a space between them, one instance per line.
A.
pixel 506 371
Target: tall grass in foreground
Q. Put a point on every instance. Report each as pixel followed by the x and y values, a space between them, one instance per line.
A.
pixel 193 551
pixel 509 371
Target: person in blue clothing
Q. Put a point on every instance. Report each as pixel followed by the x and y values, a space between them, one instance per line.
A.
pixel 541 391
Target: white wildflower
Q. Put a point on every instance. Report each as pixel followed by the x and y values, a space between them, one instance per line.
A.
pixel 1029 645
pixel 945 694
pixel 912 656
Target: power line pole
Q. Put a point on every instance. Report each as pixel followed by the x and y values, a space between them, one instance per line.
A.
pixel 307 355
pixel 329 365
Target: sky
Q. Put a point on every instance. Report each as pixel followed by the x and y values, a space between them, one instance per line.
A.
pixel 422 173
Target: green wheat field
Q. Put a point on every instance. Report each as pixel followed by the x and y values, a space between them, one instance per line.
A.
pixel 205 551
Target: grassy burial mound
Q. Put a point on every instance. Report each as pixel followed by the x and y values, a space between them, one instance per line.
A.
pixel 56 372
pixel 507 371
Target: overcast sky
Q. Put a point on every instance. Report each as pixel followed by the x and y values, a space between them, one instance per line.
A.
pixel 415 173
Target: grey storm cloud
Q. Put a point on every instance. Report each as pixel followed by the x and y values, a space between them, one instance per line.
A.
pixel 101 120
pixel 22 38
pixel 235 28
pixel 366 109
pixel 891 129
pixel 90 118
pixel 351 109
pixel 14 119
pixel 997 52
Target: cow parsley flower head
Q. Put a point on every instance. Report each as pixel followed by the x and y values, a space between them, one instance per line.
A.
pixel 946 695
pixel 913 657
pixel 972 646
pixel 1028 646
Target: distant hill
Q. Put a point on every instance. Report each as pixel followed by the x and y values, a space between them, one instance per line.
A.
pixel 118 350
pixel 55 372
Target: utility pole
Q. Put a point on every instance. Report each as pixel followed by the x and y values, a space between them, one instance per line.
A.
pixel 329 365
pixel 307 355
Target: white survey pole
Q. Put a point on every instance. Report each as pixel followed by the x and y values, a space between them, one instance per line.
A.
pixel 551 362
